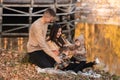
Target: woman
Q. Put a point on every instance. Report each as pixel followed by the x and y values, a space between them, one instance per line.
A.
pixel 56 42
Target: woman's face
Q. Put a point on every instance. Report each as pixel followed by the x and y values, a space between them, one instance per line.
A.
pixel 59 32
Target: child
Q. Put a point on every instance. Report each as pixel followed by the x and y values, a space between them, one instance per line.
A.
pixel 80 51
pixel 64 55
pixel 80 54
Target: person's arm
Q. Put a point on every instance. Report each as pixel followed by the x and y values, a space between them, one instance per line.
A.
pixel 43 45
pixel 82 51
pixel 53 47
pixel 67 43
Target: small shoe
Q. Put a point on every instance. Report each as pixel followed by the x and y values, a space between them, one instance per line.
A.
pixel 40 70
pixel 97 61
pixel 79 72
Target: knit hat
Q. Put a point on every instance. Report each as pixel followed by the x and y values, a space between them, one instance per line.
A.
pixel 80 38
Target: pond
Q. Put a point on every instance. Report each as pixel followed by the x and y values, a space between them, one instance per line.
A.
pixel 102 41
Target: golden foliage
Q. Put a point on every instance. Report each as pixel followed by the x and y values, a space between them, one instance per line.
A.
pixel 112 32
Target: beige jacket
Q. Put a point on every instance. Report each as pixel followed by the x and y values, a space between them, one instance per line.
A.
pixel 37 38
pixel 53 46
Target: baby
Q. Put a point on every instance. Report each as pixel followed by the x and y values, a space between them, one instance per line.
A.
pixel 78 49
pixel 64 55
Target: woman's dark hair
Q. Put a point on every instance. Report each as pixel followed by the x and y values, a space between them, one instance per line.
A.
pixel 53 32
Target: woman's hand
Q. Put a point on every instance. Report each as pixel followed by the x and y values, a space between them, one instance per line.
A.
pixel 58 59
pixel 56 52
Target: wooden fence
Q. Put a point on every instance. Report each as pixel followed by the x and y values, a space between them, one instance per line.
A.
pixel 16 16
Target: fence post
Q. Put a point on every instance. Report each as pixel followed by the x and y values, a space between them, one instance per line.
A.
pixel 0 24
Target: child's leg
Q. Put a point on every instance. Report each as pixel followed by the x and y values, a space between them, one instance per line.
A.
pixel 89 64
pixel 80 66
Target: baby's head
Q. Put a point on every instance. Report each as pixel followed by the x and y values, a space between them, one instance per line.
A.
pixel 65 50
pixel 80 40
pixel 77 42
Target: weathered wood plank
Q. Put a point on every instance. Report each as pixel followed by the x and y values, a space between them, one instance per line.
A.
pixel 37 1
pixel 0 23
